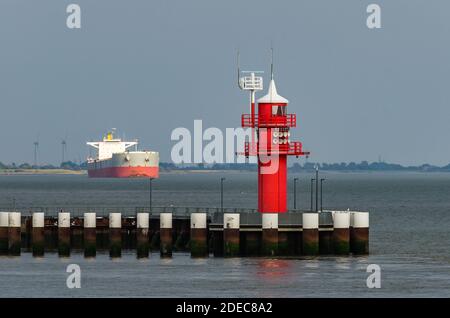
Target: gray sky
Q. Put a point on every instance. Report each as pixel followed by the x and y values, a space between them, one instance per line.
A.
pixel 147 67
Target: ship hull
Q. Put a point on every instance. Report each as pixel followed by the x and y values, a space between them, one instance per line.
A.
pixel 126 165
pixel 124 172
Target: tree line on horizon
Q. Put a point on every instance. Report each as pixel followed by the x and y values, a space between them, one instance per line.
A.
pixel 69 165
pixel 296 167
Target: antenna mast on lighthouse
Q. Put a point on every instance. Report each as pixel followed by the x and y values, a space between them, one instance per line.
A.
pixel 251 83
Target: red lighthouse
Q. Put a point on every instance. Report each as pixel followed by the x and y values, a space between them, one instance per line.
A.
pixel 272 125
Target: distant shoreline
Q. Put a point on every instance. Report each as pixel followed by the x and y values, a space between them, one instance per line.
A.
pixel 70 167
pixel 194 171
pixel 30 172
pixel 7 172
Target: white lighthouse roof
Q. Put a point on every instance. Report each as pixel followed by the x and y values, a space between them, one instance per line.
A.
pixel 272 96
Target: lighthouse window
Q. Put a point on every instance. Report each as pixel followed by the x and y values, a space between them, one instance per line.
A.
pixel 278 110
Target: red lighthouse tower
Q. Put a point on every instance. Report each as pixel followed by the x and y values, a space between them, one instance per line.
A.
pixel 272 125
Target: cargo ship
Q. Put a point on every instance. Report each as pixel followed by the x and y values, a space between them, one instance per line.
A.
pixel 115 160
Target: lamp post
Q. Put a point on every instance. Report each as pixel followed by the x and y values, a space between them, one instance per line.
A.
pixel 221 193
pixel 295 193
pixel 317 188
pixel 312 181
pixel 321 201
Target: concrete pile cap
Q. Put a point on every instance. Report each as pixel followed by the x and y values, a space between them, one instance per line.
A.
pixel 359 219
pixel 231 221
pixel 38 219
pixel 90 220
pixel 270 220
pixel 310 221
pixel 165 220
pixel 142 220
pixel 115 220
pixel 64 219
pixel 198 221
pixel 341 219
pixel 4 219
pixel 14 219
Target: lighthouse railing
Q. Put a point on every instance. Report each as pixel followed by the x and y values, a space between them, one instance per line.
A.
pixel 289 120
pixel 293 148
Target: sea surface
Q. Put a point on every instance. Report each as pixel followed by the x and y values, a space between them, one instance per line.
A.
pixel 409 239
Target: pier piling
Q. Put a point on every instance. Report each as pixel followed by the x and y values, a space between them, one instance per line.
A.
pixel 359 233
pixel 341 232
pixel 199 235
pixel 142 226
pixel 38 234
pixel 14 235
pixel 90 234
pixel 165 233
pixel 64 234
pixel 115 235
pixel 4 216
pixel 269 234
pixel 4 221
pixel 231 242
pixel 310 234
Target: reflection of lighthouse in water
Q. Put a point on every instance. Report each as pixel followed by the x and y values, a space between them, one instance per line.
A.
pixel 272 146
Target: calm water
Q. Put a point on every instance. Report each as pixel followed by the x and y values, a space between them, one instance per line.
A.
pixel 410 240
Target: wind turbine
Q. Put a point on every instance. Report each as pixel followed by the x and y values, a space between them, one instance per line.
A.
pixel 64 149
pixel 36 151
